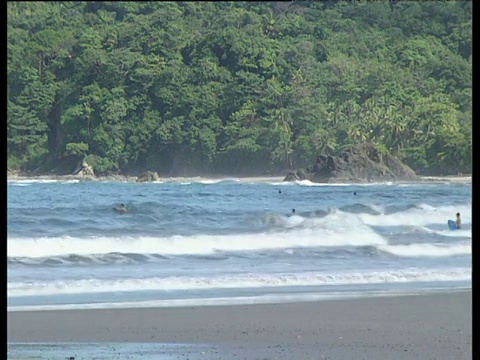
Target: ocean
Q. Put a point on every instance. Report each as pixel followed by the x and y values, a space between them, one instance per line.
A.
pixel 194 242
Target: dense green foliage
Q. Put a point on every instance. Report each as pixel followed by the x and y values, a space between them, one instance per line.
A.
pixel 238 87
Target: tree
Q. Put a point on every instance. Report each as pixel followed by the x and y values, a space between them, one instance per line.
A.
pixel 237 87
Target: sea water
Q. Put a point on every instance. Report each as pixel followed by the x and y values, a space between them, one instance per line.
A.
pixel 194 242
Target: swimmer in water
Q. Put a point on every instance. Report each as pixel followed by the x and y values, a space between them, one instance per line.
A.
pixel 122 209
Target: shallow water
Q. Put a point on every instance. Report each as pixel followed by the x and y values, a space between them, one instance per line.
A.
pixel 104 351
pixel 210 241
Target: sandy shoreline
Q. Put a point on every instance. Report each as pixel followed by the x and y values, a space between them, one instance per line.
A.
pixel 251 179
pixel 124 178
pixel 431 326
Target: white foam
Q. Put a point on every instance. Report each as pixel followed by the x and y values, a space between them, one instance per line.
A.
pixel 341 235
pixel 208 182
pixel 427 250
pixel 217 301
pixel 294 220
pixel 457 233
pixel 284 183
pixel 422 215
pixel 42 181
pixel 310 183
pixel 234 281
pixel 336 229
pixel 379 208
pixel 291 221
pixel 463 233
pixel 197 180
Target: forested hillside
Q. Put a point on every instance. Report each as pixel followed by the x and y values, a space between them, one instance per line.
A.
pixel 187 88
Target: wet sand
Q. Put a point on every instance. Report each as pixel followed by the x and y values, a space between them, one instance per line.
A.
pixel 433 326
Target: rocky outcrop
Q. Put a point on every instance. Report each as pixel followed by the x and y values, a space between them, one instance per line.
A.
pixel 12 173
pixel 148 176
pixel 84 170
pixel 362 163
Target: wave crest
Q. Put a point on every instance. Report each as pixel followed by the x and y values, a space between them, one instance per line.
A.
pixel 249 280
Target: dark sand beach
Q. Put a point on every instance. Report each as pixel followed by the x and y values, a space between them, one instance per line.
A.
pixel 432 326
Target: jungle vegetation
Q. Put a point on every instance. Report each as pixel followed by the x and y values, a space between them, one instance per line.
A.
pixel 237 87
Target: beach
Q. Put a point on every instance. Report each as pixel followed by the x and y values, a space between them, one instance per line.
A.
pixel 209 269
pixel 463 179
pixel 429 326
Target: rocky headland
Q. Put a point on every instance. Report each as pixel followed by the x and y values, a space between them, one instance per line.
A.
pixel 362 163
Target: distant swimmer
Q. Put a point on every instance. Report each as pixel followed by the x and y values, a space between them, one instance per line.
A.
pixel 458 221
pixel 121 209
pixel 354 193
pixel 279 191
pixel 293 211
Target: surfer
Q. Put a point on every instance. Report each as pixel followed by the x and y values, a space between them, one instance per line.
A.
pixel 122 209
pixel 458 221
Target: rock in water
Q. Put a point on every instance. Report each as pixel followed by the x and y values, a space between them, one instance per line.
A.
pixel 85 170
pixel 362 163
pixel 148 176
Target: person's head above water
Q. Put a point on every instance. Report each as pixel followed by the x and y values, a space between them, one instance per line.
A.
pixel 121 209
pixel 458 214
pixel 293 211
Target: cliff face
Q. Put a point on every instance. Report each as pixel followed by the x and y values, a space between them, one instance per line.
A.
pixel 362 163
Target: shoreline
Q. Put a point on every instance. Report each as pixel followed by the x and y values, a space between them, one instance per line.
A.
pixel 405 326
pixel 467 179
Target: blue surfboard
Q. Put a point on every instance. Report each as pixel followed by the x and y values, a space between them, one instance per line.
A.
pixel 452 225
